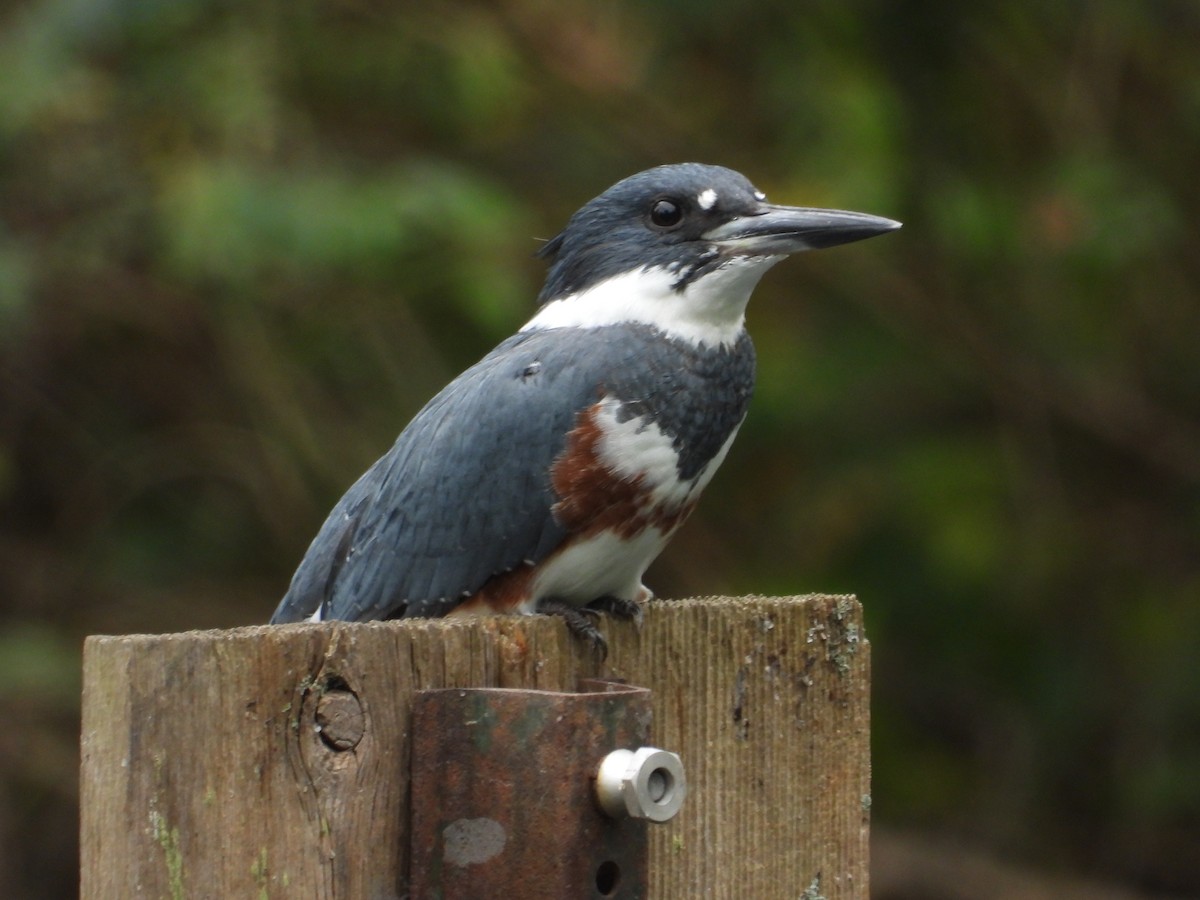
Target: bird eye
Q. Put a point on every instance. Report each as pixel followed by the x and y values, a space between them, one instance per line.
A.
pixel 665 213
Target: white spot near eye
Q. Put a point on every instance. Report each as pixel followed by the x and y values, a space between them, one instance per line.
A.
pixel 760 196
pixel 707 199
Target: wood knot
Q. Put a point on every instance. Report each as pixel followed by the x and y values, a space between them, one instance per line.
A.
pixel 340 720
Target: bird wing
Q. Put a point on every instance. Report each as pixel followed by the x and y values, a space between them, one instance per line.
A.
pixel 464 493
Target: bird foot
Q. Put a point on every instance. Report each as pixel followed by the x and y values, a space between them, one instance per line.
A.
pixel 619 608
pixel 581 622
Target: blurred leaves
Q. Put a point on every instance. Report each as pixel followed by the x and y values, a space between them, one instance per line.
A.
pixel 241 244
pixel 232 225
pixel 37 664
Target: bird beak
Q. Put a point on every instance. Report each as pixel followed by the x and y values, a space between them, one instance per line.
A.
pixel 779 230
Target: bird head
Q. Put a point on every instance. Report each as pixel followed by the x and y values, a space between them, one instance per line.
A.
pixel 680 247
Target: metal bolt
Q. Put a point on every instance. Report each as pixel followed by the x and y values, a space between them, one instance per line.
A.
pixel 647 783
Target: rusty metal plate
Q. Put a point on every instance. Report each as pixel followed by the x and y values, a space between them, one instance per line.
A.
pixel 502 794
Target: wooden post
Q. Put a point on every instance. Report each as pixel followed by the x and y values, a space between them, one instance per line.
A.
pixel 272 762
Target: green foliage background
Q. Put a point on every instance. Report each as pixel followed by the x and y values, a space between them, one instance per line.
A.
pixel 241 243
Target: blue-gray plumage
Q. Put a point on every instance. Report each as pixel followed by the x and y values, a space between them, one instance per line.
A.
pixel 465 492
pixel 551 473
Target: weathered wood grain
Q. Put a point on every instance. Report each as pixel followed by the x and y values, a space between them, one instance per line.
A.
pixel 205 772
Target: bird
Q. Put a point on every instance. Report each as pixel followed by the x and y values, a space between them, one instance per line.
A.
pixel 548 476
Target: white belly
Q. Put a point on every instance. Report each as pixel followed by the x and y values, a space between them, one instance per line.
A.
pixel 604 565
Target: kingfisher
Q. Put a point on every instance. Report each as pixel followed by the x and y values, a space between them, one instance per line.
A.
pixel 548 476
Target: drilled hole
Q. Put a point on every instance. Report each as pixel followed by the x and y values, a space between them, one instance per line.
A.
pixel 607 877
pixel 661 785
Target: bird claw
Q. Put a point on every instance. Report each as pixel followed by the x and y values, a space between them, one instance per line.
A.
pixel 619 608
pixel 581 622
